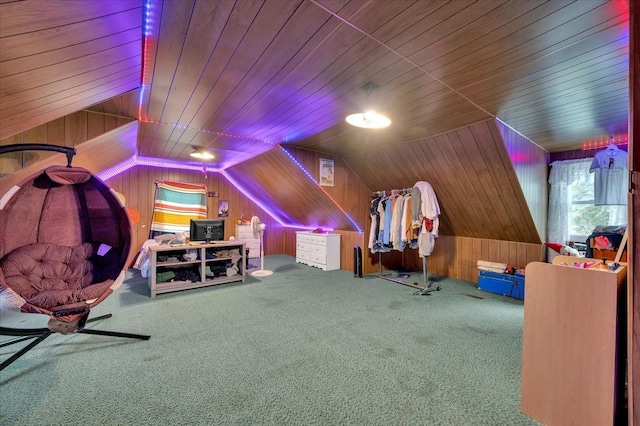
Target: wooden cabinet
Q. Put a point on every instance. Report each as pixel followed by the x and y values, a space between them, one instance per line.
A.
pixel 319 250
pixel 244 234
pixel 181 267
pixel 573 344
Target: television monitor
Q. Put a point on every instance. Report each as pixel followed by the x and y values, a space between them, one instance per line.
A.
pixel 206 230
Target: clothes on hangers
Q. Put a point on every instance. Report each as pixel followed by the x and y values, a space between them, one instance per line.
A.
pixel 390 216
pixel 429 212
pixel 406 232
pixel 611 180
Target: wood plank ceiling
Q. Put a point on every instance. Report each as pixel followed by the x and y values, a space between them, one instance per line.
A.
pixel 57 58
pixel 239 76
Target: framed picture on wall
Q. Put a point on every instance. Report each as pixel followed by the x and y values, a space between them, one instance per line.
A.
pixel 326 172
pixel 223 208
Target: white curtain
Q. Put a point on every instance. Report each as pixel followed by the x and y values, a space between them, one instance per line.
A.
pixel 562 175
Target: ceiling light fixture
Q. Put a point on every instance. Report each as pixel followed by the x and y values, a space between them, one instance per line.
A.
pixel 202 155
pixel 369 119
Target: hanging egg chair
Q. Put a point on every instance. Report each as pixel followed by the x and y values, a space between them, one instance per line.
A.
pixel 65 238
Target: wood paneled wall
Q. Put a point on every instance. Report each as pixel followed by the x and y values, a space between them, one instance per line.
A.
pixel 138 187
pixel 454 257
pixel 530 163
pixel 71 130
pixel 349 191
pixel 470 170
pixel 457 257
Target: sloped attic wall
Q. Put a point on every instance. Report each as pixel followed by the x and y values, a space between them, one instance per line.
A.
pixel 95 155
pixel 277 181
pixel 530 163
pixel 58 58
pixel 471 171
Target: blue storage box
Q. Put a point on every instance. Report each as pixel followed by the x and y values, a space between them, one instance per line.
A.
pixel 505 284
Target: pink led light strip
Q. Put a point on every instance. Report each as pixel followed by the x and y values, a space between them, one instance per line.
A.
pixel 211 132
pixel 604 142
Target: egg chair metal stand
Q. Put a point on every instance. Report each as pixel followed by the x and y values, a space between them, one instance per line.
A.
pixel 65 238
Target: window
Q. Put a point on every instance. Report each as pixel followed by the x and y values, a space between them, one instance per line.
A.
pixel 584 216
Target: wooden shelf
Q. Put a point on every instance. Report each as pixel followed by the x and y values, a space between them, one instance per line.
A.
pixel 200 265
pixel 188 262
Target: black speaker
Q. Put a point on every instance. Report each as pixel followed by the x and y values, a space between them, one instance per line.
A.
pixel 357 262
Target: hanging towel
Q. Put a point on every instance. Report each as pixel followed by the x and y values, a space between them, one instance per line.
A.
pixel 429 206
pixel 175 204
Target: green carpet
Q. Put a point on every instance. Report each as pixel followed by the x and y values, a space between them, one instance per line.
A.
pixel 300 347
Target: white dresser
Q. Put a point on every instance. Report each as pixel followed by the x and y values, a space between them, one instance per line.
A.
pixel 244 234
pixel 319 250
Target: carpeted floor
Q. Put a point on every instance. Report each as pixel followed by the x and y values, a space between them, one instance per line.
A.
pixel 300 347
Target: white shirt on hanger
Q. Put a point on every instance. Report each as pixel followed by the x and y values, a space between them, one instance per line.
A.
pixel 611 180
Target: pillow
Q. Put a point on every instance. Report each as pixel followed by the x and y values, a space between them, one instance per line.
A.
pixel 50 275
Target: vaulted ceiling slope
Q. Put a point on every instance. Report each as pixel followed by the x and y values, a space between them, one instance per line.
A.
pixel 58 57
pixel 276 183
pixel 471 171
pixel 237 76
pixel 92 155
pixel 230 74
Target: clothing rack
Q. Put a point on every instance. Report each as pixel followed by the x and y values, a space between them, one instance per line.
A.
pixel 388 278
pixel 426 288
pixel 387 192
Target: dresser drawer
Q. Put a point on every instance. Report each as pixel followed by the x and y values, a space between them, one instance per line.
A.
pixel 303 238
pixel 312 248
pixel 318 239
pixel 318 258
pixel 244 231
pixel 315 249
pixel 246 236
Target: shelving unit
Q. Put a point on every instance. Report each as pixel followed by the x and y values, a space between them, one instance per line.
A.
pixel 214 256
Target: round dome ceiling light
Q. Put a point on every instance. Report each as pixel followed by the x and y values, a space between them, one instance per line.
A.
pixel 202 155
pixel 369 120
